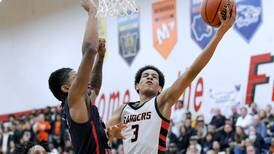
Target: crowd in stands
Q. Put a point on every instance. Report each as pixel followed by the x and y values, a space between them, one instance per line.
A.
pixel 44 127
pixel 245 131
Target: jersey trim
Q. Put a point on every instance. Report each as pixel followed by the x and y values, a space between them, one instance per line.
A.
pixel 162 136
pixel 137 107
pixel 123 111
pixel 95 137
pixel 159 113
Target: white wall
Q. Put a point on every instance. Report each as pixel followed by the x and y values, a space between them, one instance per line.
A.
pixel 37 37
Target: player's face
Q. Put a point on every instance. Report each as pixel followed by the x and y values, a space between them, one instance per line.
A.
pixel 37 149
pixel 149 83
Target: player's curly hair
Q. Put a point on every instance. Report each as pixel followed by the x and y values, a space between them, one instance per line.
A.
pixel 141 70
pixel 56 80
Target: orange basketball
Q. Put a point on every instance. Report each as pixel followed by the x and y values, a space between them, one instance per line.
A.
pixel 210 9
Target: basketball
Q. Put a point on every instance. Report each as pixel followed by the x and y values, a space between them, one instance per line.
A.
pixel 210 9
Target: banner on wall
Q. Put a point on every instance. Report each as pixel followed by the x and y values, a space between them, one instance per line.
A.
pixel 249 17
pixel 164 27
pixel 102 28
pixel 129 37
pixel 201 33
pixel 230 96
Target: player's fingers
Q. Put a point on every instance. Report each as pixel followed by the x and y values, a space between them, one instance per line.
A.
pixel 220 16
pixel 228 12
pixel 121 125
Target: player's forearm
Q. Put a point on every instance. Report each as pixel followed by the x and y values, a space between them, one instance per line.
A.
pixel 91 35
pixel 96 74
pixel 202 60
pixel 175 91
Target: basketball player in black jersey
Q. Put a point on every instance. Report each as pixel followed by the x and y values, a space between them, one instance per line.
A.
pixel 78 91
pixel 149 83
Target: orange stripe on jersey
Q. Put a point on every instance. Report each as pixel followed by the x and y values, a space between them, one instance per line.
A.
pixel 165 124
pixel 161 148
pixel 162 137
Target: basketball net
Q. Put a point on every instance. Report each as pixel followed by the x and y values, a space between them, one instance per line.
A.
pixel 115 7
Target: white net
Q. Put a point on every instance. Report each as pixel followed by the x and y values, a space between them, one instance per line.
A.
pixel 116 7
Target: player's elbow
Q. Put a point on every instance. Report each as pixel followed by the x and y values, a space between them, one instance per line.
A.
pixel 88 47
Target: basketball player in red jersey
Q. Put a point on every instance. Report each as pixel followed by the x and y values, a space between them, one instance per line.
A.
pixel 76 91
pixel 148 119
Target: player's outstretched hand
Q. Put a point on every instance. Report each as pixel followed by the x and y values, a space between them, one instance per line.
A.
pixel 89 6
pixel 102 47
pixel 116 131
pixel 227 23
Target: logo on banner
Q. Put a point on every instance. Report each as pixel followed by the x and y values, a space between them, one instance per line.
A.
pixel 201 33
pixel 249 17
pixel 102 27
pixel 129 37
pixel 164 27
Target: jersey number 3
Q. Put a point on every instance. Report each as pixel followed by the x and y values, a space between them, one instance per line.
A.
pixel 135 132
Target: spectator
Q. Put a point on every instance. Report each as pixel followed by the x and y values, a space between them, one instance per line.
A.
pixel 32 148
pixel 268 109
pixel 216 147
pixel 190 131
pixel 207 143
pixel 254 109
pixel 194 142
pixel 178 115
pixel 251 150
pixel 218 119
pixel 211 152
pixel 256 139
pixel 11 147
pixel 172 148
pixel 177 118
pixel 238 141
pixel 259 125
pixel 212 130
pixel 226 137
pixel 234 116
pixel 192 149
pixel 183 140
pixel 201 127
pixel 42 127
pixel 245 120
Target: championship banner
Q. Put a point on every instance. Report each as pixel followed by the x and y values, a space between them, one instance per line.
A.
pixel 249 17
pixel 164 27
pixel 201 33
pixel 129 37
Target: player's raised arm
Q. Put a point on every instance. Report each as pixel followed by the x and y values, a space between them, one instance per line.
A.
pixel 96 74
pixel 171 95
pixel 78 89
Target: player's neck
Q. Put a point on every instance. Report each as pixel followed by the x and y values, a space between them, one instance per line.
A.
pixel 144 98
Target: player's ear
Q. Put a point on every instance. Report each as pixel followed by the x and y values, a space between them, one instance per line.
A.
pixel 137 87
pixel 65 88
pixel 160 89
